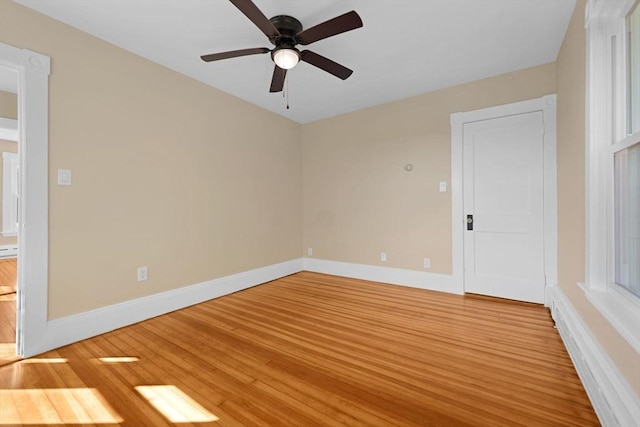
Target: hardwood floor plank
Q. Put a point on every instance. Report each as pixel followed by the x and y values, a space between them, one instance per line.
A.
pixel 401 359
pixel 116 389
pixel 9 408
pixel 255 366
pixel 317 350
pixel 8 275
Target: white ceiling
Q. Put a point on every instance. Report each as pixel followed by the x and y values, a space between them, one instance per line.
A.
pixel 406 47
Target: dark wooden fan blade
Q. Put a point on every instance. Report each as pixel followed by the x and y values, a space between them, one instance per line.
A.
pixel 233 54
pixel 325 64
pixel 254 14
pixel 340 24
pixel 277 81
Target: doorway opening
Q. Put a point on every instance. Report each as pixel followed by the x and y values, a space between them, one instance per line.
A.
pixel 9 213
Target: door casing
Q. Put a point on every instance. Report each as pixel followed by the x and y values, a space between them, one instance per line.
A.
pixel 33 233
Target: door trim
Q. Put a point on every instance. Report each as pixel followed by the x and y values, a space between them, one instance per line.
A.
pixel 547 105
pixel 33 233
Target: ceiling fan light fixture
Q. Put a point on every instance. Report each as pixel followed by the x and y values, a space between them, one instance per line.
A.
pixel 286 57
pixel 285 33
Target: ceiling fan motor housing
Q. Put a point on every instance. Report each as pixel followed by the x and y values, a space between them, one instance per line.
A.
pixel 288 26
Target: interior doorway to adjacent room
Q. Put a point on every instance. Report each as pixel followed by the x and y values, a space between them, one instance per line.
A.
pixel 9 212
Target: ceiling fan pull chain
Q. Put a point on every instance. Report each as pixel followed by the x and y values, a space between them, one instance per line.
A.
pixel 284 95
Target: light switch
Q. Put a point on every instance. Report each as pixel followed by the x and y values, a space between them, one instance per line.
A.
pixel 64 176
pixel 443 187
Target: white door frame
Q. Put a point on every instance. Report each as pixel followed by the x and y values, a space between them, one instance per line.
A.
pixel 33 234
pixel 545 104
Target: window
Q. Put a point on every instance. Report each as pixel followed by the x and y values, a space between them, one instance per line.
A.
pixel 627 218
pixel 613 163
pixel 633 70
pixel 627 168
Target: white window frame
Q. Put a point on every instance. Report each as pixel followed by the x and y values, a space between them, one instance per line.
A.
pixel 606 135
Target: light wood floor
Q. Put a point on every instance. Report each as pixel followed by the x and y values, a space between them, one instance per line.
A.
pixel 311 350
pixel 8 275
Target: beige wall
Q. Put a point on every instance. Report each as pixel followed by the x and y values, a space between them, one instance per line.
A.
pixel 571 185
pixel 8 105
pixel 358 198
pixel 571 151
pixel 167 173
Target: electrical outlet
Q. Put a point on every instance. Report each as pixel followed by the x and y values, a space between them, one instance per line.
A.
pixel 383 256
pixel 143 274
pixel 309 251
pixel 427 263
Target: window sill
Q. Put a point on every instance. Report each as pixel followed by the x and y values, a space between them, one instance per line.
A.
pixel 623 312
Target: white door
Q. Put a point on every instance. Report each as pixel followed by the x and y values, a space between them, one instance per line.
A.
pixel 503 205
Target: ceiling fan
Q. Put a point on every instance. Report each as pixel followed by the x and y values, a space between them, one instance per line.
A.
pixel 285 33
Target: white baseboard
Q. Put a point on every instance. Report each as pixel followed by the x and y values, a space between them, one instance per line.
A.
pixel 67 330
pixel 613 399
pixel 394 276
pixel 8 251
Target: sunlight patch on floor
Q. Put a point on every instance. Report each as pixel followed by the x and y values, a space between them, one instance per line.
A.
pixel 55 406
pixel 6 289
pixel 120 359
pixel 45 360
pixel 8 297
pixel 175 405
